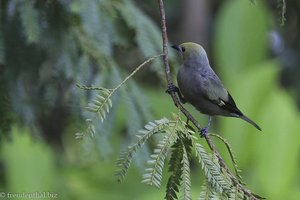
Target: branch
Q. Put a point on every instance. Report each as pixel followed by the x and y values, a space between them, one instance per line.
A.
pixel 184 111
pixel 123 82
pixel 102 103
pixel 167 67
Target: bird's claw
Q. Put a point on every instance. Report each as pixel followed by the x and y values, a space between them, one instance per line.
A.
pixel 172 88
pixel 203 132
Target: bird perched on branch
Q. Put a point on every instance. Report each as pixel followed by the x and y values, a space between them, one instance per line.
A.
pixel 201 87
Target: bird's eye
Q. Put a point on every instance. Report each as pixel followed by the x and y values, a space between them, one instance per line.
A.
pixel 182 49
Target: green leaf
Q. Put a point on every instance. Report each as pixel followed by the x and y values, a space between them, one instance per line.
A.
pixel 30 159
pixel 175 167
pixel 97 25
pixel 186 179
pixel 232 156
pixel 30 21
pixel 101 103
pixel 281 140
pixel 125 158
pixel 208 193
pixel 147 35
pixel 259 84
pixel 153 174
pixel 236 194
pixel 212 171
pixel 241 37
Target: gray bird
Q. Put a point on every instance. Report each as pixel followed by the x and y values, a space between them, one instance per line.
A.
pixel 202 88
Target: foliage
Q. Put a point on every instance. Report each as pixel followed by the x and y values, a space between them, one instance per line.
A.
pixel 101 103
pixel 230 151
pixel 175 167
pixel 47 47
pixel 268 103
pixel 63 43
pixel 220 181
pixel 179 140
pixel 125 159
pixel 36 160
pixel 282 6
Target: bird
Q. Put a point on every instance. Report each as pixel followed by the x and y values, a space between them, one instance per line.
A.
pixel 200 86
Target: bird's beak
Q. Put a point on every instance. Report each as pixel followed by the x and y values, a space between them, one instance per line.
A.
pixel 177 47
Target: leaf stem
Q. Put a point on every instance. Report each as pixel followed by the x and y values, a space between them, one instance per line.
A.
pixel 136 70
pixel 83 87
pixel 230 153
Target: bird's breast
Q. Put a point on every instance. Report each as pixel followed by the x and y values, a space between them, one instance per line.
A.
pixel 190 83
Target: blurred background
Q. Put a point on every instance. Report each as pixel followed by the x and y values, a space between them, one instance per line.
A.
pixel 47 47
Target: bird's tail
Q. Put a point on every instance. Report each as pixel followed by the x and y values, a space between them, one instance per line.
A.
pixel 250 121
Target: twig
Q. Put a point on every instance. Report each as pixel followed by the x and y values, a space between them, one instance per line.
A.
pixel 136 70
pixel 83 87
pixel 109 93
pixel 184 111
pixel 237 171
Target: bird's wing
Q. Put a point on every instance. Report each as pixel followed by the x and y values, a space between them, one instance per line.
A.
pixel 217 94
pixel 231 106
pixel 212 88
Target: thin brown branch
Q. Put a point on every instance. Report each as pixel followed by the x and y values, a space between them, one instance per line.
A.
pixel 184 111
pixel 167 67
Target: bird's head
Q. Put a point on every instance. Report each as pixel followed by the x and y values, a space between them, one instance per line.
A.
pixel 190 50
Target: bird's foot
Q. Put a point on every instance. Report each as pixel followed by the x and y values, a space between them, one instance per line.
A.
pixel 172 88
pixel 203 131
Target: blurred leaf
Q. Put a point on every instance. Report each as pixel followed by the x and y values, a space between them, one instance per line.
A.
pixel 271 156
pixel 147 35
pixel 250 94
pixel 278 150
pixel 125 158
pixel 241 36
pixel 95 14
pixel 134 122
pixel 30 20
pixel 29 164
pixel 2 48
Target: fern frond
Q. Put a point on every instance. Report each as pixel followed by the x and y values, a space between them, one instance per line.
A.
pixel 147 34
pixel 236 194
pixel 90 130
pixel 212 171
pixel 124 161
pixel 233 159
pixel 92 13
pixel 207 193
pixel 186 179
pixel 184 128
pixel 153 174
pixel 204 192
pixel 175 167
pixel 101 104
